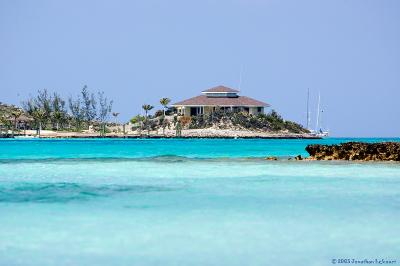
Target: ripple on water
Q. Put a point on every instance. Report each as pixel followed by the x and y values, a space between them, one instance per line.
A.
pixel 66 192
pixel 156 159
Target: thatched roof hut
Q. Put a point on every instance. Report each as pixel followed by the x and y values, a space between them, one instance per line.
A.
pixel 22 118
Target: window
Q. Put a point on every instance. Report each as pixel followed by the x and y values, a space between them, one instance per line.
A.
pixel 196 110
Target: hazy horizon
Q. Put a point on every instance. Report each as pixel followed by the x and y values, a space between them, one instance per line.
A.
pixel 138 52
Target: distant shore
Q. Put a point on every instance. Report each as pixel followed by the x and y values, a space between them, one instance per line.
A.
pixel 187 133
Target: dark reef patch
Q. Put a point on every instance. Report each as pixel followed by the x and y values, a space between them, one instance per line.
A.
pixel 356 151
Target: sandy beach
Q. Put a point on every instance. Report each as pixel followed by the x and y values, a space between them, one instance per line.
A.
pixel 186 133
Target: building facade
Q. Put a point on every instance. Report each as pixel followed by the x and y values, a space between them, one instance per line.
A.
pixel 222 98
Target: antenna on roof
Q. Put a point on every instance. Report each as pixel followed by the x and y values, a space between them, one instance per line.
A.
pixel 240 77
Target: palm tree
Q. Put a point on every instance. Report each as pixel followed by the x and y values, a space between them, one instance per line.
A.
pixel 147 108
pixel 164 102
pixel 3 122
pixel 58 116
pixel 39 115
pixel 15 114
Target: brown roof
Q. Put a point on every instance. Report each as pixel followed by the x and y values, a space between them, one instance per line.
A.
pixel 221 101
pixel 221 89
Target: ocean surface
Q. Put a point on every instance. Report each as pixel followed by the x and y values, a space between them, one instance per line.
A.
pixel 192 202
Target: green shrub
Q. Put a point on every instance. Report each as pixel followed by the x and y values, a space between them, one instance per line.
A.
pixel 267 122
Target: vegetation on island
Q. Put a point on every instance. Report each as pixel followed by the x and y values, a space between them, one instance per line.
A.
pixel 228 119
pixel 49 111
pixel 91 112
pixel 9 115
pixel 221 119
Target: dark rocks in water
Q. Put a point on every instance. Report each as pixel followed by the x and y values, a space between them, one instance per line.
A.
pixel 298 158
pixel 271 158
pixel 356 151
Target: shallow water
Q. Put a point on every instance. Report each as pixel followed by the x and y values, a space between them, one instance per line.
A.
pixel 191 202
pixel 140 148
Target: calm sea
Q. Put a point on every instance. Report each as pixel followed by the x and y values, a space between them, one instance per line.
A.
pixel 192 202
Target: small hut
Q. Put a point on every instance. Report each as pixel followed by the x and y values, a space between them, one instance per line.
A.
pixel 21 122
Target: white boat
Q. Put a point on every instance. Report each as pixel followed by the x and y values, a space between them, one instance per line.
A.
pixel 319 132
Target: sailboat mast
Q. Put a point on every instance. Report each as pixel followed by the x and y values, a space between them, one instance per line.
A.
pixel 308 108
pixel 318 111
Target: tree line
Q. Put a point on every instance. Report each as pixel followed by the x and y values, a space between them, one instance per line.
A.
pixel 144 121
pixel 51 111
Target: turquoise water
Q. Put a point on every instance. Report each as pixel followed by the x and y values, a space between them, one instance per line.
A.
pixel 134 148
pixel 191 202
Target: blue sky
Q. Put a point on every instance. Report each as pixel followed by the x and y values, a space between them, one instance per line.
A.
pixel 140 51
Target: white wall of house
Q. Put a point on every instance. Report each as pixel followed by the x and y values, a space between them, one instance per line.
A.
pixel 185 110
pixel 256 110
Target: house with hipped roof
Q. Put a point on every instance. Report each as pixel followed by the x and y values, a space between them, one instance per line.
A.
pixel 219 98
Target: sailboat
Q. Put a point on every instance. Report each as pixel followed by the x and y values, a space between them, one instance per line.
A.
pixel 319 132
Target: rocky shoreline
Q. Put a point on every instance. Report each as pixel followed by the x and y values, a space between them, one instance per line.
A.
pixel 185 134
pixel 356 151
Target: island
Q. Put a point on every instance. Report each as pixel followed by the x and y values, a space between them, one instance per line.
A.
pixel 219 112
